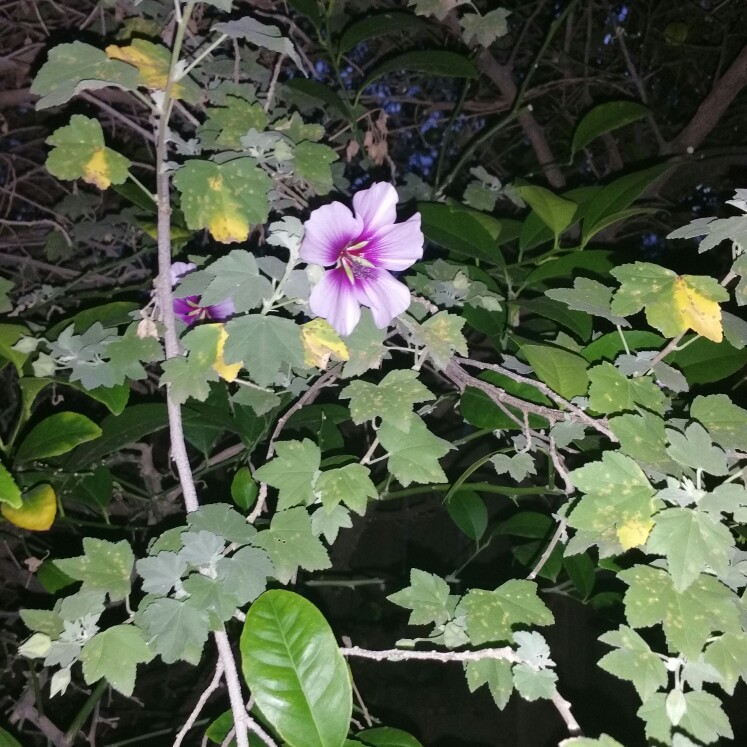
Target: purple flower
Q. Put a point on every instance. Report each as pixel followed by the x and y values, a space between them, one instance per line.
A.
pixel 188 309
pixel 362 247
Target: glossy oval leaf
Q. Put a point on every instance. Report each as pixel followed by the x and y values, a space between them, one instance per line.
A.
pixel 436 63
pixel 57 434
pixel 387 736
pixel 295 671
pixel 554 211
pixel 10 334
pixel 605 118
pixel 459 230
pixel 8 740
pixel 469 513
pixel 37 511
pixel 379 24
pixel 564 372
pixel 10 493
pixel 243 489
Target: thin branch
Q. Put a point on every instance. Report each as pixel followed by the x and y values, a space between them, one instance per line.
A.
pixel 501 654
pixel 551 545
pixel 125 120
pixel 209 690
pixel 307 398
pixel 713 106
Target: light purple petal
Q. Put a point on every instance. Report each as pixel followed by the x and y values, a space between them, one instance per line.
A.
pixel 385 296
pixel 180 269
pixel 221 310
pixel 377 206
pixel 334 299
pixel 396 247
pixel 329 230
pixel 185 309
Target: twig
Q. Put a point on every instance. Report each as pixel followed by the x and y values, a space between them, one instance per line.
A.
pixel 559 466
pixel 209 690
pixel 576 413
pixel 273 83
pixel 505 653
pixel 125 120
pixel 548 550
pixel 664 352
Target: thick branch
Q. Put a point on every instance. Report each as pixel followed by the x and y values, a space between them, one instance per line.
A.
pixel 713 106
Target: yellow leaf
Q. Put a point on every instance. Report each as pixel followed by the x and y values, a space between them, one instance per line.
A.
pixel 225 371
pixel 228 228
pixel 96 169
pixel 696 311
pixel 37 512
pixel 152 62
pixel 634 532
pixel 320 343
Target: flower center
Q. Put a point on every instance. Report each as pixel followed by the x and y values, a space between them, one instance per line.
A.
pixel 355 266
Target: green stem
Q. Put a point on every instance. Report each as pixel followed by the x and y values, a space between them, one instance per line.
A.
pixel 480 487
pixel 85 711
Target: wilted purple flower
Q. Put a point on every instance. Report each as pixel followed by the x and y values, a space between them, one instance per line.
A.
pixel 362 247
pixel 188 309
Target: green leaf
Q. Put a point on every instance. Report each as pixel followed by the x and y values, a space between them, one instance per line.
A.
pixel 609 346
pixel 226 125
pixel 643 438
pixel 494 673
pixel 118 431
pixel 634 661
pixel 327 522
pixel 459 230
pixel 605 118
pixel 311 162
pixel 10 334
pixel 10 493
pixel 176 630
pixel 295 671
pixel 8 740
pixel 391 400
pixel 293 472
pixel 485 28
pixel 373 25
pixel 321 92
pixel 703 361
pixel 692 541
pixel 227 199
pixel 703 718
pixel 104 565
pixel 222 520
pixel 726 422
pixel 469 513
pixel 688 617
pixel 435 63
pixel 243 489
pixel 43 621
pixel 212 596
pixel 258 34
pixel 268 346
pixel 555 212
pixel 386 736
pixel 365 346
pixel 161 572
pixel 611 391
pixel 350 485
pixel 589 296
pixel 493 615
pixel 427 596
pixel 236 276
pixel 114 655
pixel 582 572
pixel 580 323
pixel 245 573
pixel 565 264
pixel 617 196
pixel 618 496
pixel 413 456
pixel 518 466
pixel 695 449
pixel 728 655
pixel 76 67
pixel 564 372
pixel 291 544
pixel 57 434
pixel 603 741
pixel 442 336
pixel 531 684
pixel 80 153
